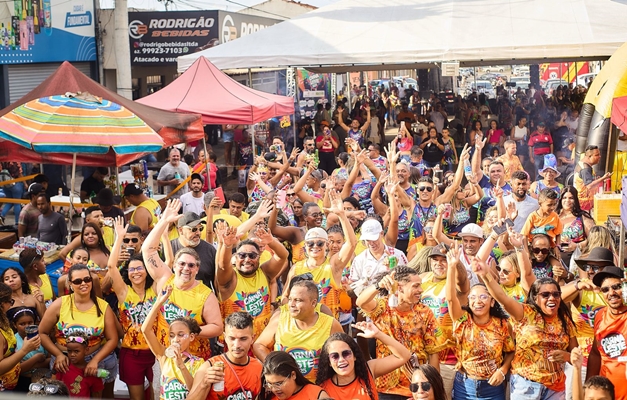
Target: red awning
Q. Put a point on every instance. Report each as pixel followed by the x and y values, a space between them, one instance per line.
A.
pixel 619 113
pixel 205 90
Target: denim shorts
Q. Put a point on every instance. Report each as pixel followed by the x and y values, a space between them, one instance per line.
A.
pixel 227 136
pixel 524 389
pixel 465 387
pixel 110 363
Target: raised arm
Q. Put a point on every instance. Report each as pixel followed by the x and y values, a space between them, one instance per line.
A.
pixel 300 184
pixel 227 238
pixel 347 250
pixel 377 203
pixel 476 159
pixel 119 287
pixel 365 126
pixel 383 366
pixel 527 277
pixel 148 326
pixel 451 190
pixel 438 232
pixel 157 269
pixel 391 235
pixel 340 120
pixel 291 234
pixel 454 305
pixel 256 178
pixel 511 305
pixel 352 176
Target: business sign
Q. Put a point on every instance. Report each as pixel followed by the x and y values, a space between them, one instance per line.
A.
pixel 36 31
pixel 313 88
pixel 234 25
pixel 158 38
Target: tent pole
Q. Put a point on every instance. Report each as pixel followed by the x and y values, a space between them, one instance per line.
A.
pixel 348 91
pixel 117 180
pixel 69 230
pixel 204 146
pixel 250 85
pixel 295 72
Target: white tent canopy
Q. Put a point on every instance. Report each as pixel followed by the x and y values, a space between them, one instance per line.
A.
pixel 418 32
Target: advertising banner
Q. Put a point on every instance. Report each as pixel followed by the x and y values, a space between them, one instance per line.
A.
pixel 37 31
pixel 313 88
pixel 234 25
pixel 158 38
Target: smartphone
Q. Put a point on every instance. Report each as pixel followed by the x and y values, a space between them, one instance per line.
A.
pixel 509 222
pixel 439 175
pixel 500 229
pixel 220 193
pixel 281 198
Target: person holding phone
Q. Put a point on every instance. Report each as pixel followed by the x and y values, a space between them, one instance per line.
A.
pixel 327 144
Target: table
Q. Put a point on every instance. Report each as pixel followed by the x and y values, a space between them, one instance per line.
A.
pixel 51 269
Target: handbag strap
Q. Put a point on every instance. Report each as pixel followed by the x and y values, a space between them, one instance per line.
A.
pixel 227 362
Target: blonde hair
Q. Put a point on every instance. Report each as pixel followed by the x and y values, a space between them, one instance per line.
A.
pixel 599 236
pixel 512 258
pixel 486 229
pixel 420 262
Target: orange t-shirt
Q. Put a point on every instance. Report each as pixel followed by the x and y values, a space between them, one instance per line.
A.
pixel 536 337
pixel 249 377
pixel 307 392
pixel 610 332
pixel 356 390
pixel 551 226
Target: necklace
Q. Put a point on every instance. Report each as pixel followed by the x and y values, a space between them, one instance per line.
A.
pixel 21 299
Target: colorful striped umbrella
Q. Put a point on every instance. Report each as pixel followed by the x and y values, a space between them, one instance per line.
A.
pixel 78 124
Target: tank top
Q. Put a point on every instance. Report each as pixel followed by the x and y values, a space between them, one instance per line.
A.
pixel 516 292
pixel 356 390
pixel 71 319
pixel 252 295
pixel 403 225
pixel 155 210
pixel 184 303
pixel 298 252
pixel 133 312
pixel 307 392
pixel 172 381
pixel 303 345
pixel 434 297
pixel 584 317
pixel 542 269
pixel 234 374
pixel 586 196
pixel 8 381
pixel 574 232
pixel 329 291
pixel 519 133
pixel 610 334
pixel 45 288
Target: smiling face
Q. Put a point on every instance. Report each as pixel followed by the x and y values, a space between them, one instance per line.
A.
pixel 539 248
pixel 425 191
pixel 548 206
pixel 341 358
pixel 419 378
pixel 175 157
pixel 471 245
pixel 314 217
pixel 83 288
pixel 402 170
pixel 90 237
pixel 80 256
pixel 186 268
pixel 439 266
pixel 247 260
pixel 411 291
pixel 614 292
pixel 549 305
pixel 568 201
pixel 137 272
pixel 507 273
pixel 496 173
pixel 301 303
pixel 492 218
pixel 480 301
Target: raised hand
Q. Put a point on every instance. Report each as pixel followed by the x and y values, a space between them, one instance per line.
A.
pixel 265 208
pixel 171 212
pixel 264 237
pixel 361 156
pixel 576 358
pixel 497 191
pixel 452 255
pixel 163 296
pixel 465 155
pixel 480 142
pixel 120 226
pixel 368 329
pixel 515 238
pixel 253 176
pixel 511 210
pixel 337 206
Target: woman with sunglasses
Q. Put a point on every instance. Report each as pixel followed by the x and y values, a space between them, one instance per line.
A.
pixel 577 223
pixel 545 335
pixel 10 358
pixel 32 260
pixel 543 263
pixel 598 236
pixel 80 255
pixel 484 344
pixel 344 373
pixel 189 296
pixel 18 283
pixel 134 290
pixel 427 384
pixel 281 379
pixel 82 311
pixel 427 240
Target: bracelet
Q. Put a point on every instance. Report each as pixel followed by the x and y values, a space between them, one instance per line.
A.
pixel 519 249
pixel 577 284
pixel 502 373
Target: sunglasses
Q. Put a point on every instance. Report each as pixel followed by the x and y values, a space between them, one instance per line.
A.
pixel 195 229
pixel 12 301
pixel 290 194
pixel 135 269
pixel 615 287
pixel 547 295
pixel 482 297
pixel 251 255
pixel 427 188
pixel 311 245
pixel 38 254
pixel 428 229
pixel 78 281
pixel 275 385
pixel 129 240
pixel 504 271
pixel 182 264
pixel 593 268
pixel 76 339
pixel 538 250
pixel 47 388
pixel 316 215
pixel 414 387
pixel 346 354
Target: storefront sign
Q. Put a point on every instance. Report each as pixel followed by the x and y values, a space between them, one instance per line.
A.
pixel 234 25
pixel 158 38
pixel 38 31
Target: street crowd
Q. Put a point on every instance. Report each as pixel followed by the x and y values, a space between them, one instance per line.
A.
pixel 455 261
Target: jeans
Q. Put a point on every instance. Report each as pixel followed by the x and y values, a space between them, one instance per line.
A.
pixel 15 192
pixel 465 388
pixel 524 389
pixel 539 162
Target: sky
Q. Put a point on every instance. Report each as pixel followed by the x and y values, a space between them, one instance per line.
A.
pixel 227 5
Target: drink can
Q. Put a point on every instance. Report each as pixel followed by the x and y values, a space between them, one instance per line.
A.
pixel 218 386
pixel 102 373
pixel 446 214
pixel 31 331
pixel 607 185
pixel 392 262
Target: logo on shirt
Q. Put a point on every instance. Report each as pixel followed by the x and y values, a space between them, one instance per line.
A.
pixel 171 312
pixel 323 288
pixel 253 303
pixel 307 360
pixel 173 390
pixel 588 312
pixel 239 395
pixel 438 306
pixel 68 330
pixel 613 345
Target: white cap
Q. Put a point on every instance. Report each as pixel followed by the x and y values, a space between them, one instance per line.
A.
pixel 316 233
pixel 371 229
pixel 473 230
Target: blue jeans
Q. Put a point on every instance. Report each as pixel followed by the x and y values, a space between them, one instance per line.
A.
pixel 539 162
pixel 465 388
pixel 524 389
pixel 15 192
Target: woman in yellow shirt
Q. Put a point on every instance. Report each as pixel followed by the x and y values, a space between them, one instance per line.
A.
pixel 32 260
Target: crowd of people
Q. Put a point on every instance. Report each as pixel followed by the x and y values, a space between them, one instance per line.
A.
pixel 417 269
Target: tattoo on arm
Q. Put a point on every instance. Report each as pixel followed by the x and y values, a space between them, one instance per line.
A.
pixel 153 263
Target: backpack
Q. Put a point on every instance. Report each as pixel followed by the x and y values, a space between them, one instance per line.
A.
pixel 6 176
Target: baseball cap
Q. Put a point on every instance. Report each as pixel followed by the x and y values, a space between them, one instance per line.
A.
pixel 190 219
pixel 316 233
pixel 133 189
pixel 35 188
pixel 608 272
pixel 197 176
pixel 371 230
pixel 439 250
pixel 473 230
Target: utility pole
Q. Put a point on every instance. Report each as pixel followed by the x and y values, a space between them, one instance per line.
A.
pixel 122 50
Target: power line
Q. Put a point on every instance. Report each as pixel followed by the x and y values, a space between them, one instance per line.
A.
pixel 257 9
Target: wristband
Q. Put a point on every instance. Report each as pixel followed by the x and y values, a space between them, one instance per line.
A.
pixel 577 284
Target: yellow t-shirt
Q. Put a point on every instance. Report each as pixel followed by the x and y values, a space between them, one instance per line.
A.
pixel 516 292
pixel 303 345
pixel 591 303
pixel 434 297
pixel 252 295
pixel 233 222
pixel 46 288
pixel 155 209
pixel 71 319
pixel 184 303
pixel 8 381
pixel 172 381
pixel 133 312
pixel 244 217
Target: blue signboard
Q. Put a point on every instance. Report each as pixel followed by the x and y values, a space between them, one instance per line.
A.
pixel 37 31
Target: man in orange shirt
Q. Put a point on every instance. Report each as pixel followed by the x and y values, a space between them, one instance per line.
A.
pixel 608 356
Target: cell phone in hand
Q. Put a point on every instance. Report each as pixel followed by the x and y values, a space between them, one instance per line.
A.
pixel 220 193
pixel 509 222
pixel 500 229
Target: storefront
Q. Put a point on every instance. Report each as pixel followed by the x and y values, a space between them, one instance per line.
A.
pixel 36 36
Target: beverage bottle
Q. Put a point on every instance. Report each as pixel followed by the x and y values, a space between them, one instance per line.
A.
pixel 468 169
pixel 219 386
pixel 170 352
pixel 393 300
pixel 102 373
pixel 177 176
pixel 316 158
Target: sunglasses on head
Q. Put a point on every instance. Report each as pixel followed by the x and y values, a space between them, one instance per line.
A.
pixel 251 255
pixel 195 229
pixel 546 295
pixel 307 276
pixel 78 281
pixel 38 254
pixel 346 354
pixel 76 339
pixel 312 244
pixel 593 268
pixel 427 188
pixel 615 287
pixel 414 387
pixel 129 240
pixel 538 250
pixel 40 387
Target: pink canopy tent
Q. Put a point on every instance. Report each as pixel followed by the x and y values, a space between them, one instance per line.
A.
pixel 204 89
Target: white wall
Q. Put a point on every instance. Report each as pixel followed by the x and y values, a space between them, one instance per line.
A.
pixel 280 9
